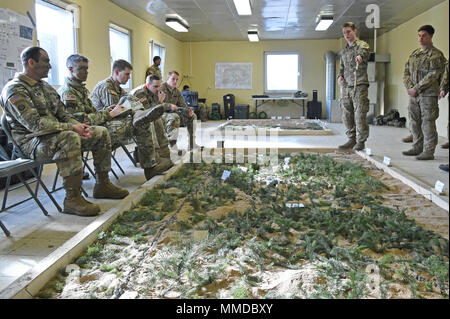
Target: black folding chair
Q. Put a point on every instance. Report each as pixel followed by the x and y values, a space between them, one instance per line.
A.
pixel 18 167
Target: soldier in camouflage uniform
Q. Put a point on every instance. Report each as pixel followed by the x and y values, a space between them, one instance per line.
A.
pixel 108 93
pixel 154 69
pixel 45 131
pixel 202 107
pixel 120 126
pixel 150 96
pixel 354 100
pixel 422 79
pixel 444 91
pixel 183 116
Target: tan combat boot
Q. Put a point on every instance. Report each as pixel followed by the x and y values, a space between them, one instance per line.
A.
pixel 159 169
pixel 359 146
pixel 105 189
pixel 349 144
pixel 408 139
pixel 412 152
pixel 74 203
pixel 425 156
pixel 143 117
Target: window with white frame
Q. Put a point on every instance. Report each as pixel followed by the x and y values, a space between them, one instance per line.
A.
pixel 60 41
pixel 157 49
pixel 120 48
pixel 282 72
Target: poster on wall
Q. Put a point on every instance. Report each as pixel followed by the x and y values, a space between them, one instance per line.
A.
pixel 234 76
pixel 16 33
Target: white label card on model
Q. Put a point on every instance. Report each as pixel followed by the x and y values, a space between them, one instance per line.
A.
pixel 439 186
pixel 369 151
pixel 279 118
pixel 387 161
pixel 273 117
pixel 225 174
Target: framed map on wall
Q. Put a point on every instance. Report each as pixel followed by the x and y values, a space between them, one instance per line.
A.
pixel 234 76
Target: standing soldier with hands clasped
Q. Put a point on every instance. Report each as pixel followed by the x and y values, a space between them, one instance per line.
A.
pixel 422 79
pixel 354 82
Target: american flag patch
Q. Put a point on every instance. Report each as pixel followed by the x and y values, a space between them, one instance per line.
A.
pixel 15 98
pixel 71 97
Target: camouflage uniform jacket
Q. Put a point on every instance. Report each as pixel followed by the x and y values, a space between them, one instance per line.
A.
pixel 33 107
pixel 106 93
pixel 154 69
pixel 148 99
pixel 444 81
pixel 75 96
pixel 173 96
pixel 348 63
pixel 423 71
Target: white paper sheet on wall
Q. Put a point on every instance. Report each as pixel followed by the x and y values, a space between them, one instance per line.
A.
pixel 16 33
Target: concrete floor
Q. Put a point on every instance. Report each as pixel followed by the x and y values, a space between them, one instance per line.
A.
pixel 35 236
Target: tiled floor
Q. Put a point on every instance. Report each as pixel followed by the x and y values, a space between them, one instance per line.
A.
pixel 34 236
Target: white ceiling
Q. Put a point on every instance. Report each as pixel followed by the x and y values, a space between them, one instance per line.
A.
pixel 217 20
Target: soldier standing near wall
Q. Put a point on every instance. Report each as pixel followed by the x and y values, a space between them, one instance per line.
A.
pixel 354 82
pixel 121 126
pixel 45 131
pixel 444 91
pixel 184 115
pixel 422 79
pixel 154 69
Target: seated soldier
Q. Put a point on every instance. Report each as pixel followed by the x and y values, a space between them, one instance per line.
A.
pixel 183 116
pixel 121 127
pixel 45 131
pixel 108 93
pixel 150 96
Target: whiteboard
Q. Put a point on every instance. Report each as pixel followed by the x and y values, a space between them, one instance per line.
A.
pixel 16 33
pixel 234 76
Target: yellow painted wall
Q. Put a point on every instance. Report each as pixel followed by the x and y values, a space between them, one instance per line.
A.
pixel 93 37
pixel 205 55
pixel 400 42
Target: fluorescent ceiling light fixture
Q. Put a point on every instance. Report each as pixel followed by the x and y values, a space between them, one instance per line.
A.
pixel 243 7
pixel 324 23
pixel 253 36
pixel 177 25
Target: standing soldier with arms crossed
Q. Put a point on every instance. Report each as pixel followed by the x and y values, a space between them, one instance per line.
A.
pixel 422 79
pixel 355 84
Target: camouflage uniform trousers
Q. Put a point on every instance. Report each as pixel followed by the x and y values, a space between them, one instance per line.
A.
pixel 354 112
pixel 173 121
pixel 203 111
pixel 158 137
pixel 124 131
pixel 66 147
pixel 423 112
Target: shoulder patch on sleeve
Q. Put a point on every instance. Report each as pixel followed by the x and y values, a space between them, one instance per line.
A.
pixel 15 98
pixel 71 98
